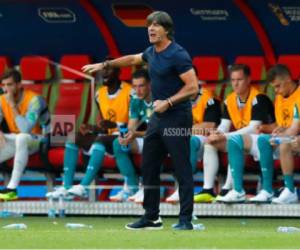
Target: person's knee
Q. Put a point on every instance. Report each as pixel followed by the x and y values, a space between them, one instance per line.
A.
pixel 235 141
pixel 285 148
pixel 71 145
pixel 263 142
pixel 209 147
pixel 117 146
pixel 97 147
pixel 22 139
pixel 195 143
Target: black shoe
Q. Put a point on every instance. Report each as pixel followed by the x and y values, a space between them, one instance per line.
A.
pixel 144 223
pixel 187 225
pixel 223 192
pixel 7 190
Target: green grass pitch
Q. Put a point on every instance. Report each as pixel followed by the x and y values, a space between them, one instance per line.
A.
pixel 109 232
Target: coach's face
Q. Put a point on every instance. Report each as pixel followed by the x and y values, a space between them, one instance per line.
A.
pixel 240 82
pixel 156 33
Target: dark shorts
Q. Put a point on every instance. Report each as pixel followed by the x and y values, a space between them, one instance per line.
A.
pixel 86 141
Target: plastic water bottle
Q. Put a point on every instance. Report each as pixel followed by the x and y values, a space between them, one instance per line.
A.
pixel 288 229
pixel 61 207
pixel 123 131
pixel 15 226
pixel 51 208
pixel 277 140
pixel 199 227
pixel 7 214
pixel 77 226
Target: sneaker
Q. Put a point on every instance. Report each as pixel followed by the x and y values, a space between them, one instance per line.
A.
pixel 262 197
pixel 205 196
pixel 222 193
pixel 77 190
pixel 8 194
pixel 144 223
pixel 138 197
pixel 183 226
pixel 286 197
pixel 173 198
pixel 121 196
pixel 232 197
pixel 58 192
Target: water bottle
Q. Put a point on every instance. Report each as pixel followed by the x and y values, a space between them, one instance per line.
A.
pixel 7 214
pixel 61 207
pixel 15 226
pixel 77 226
pixel 123 131
pixel 199 227
pixel 277 140
pixel 51 208
pixel 288 229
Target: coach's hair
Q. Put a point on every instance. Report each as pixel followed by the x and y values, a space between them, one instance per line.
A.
pixel 243 67
pixel 15 74
pixel 163 19
pixel 141 73
pixel 279 70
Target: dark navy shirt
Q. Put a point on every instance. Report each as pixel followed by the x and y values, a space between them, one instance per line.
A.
pixel 164 70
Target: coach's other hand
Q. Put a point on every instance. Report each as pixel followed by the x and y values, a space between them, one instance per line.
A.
pixel 91 68
pixel 160 106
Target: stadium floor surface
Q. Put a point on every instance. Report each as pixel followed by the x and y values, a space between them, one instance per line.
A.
pixel 109 232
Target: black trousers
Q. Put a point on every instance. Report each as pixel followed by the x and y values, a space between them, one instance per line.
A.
pixel 168 133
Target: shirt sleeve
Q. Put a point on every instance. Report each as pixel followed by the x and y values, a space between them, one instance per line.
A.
pixel 26 123
pixel 183 61
pixel 225 114
pixel 133 109
pixel 263 109
pixel 145 54
pixel 212 111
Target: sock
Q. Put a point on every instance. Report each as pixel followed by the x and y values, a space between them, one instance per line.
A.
pixel 210 165
pixel 20 160
pixel 229 181
pixel 266 161
pixel 70 164
pixel 95 162
pixel 195 144
pixel 289 182
pixel 125 166
pixel 235 147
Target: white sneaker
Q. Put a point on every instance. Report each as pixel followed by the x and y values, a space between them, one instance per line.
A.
pixel 137 194
pixel 138 197
pixel 122 195
pixel 232 197
pixel 58 192
pixel 262 197
pixel 286 197
pixel 77 190
pixel 173 198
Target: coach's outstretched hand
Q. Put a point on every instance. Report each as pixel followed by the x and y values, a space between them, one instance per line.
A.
pixel 91 68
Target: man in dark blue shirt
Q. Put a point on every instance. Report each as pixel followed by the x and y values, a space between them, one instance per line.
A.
pixel 173 83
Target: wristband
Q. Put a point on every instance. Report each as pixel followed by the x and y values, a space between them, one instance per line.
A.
pixel 106 64
pixel 170 102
